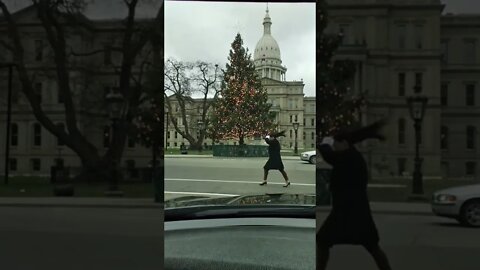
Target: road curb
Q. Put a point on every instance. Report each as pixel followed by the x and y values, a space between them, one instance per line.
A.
pixel 320 209
pixel 389 212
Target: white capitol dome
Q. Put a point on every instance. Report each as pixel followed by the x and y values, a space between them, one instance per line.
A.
pixel 267 56
pixel 267 47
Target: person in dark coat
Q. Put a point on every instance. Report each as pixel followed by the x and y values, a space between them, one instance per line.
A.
pixel 350 220
pixel 274 161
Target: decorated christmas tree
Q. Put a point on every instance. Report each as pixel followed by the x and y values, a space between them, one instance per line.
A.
pixel 242 110
pixel 336 107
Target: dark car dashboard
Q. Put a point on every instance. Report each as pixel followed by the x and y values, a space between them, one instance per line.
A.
pixel 271 243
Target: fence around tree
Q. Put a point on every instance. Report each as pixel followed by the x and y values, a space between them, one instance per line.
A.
pixel 240 151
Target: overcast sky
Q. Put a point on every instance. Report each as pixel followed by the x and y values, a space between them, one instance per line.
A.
pixel 205 31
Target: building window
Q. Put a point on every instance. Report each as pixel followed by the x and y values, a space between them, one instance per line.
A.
pixel 176 135
pixel 401 84
pixel 35 163
pixel 402 36
pixel 471 130
pixel 291 132
pixel 312 122
pixel 444 48
pixel 59 162
pixel 296 118
pixel 106 91
pixel 38 91
pixel 313 136
pixel 38 50
pixel 444 94
pixel 106 136
pixel 470 168
pixel 470 51
pixel 304 135
pixel 59 96
pixel 401 131
pixel 444 137
pixel 61 126
pixel 401 162
pixel 419 36
pixel 37 134
pixel 418 82
pixel 304 121
pixel 107 55
pixel 14 134
pixel 470 95
pixel 175 144
pixel 12 164
pixel 346 33
pixel 291 118
pixel 168 134
pixel 130 164
pixel 131 141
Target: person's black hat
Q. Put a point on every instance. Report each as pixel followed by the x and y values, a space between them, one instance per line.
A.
pixel 355 135
pixel 278 134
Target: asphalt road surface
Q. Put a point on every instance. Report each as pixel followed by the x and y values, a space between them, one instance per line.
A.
pixel 80 238
pixel 224 176
pixel 414 243
pixel 111 238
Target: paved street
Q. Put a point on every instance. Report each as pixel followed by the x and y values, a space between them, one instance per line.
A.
pixel 219 176
pixel 80 238
pixel 414 243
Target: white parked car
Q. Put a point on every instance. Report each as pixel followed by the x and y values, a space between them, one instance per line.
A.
pixel 310 156
pixel 461 203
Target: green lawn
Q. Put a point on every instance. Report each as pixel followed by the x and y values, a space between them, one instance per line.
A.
pixel 41 187
pixel 173 151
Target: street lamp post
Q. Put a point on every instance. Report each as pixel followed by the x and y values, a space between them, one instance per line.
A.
pixel 417 105
pixel 115 102
pixel 200 129
pixel 167 131
pixel 9 118
pixel 295 127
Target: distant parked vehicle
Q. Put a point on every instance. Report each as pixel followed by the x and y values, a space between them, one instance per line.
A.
pixel 461 203
pixel 310 156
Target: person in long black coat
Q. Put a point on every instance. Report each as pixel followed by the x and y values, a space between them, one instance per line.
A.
pixel 350 220
pixel 274 161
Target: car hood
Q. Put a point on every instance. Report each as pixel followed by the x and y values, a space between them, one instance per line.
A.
pixel 462 190
pixel 309 153
pixel 258 199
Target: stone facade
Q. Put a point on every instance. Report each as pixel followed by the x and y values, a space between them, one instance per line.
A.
pixel 33 150
pixel 400 44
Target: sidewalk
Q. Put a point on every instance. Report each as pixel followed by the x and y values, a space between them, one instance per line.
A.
pixel 76 202
pixel 422 209
pixel 377 207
